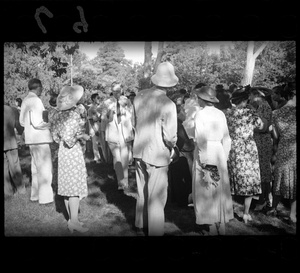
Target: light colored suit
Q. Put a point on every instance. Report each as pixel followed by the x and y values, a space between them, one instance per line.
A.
pixel 155 124
pixel 118 135
pixel 93 116
pixel 38 137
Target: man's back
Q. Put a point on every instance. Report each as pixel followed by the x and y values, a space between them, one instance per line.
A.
pixel 155 125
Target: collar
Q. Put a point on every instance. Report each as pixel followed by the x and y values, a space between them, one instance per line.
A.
pixel 32 93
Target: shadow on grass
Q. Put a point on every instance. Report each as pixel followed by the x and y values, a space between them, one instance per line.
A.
pixel 109 188
pixel 271 229
pixel 182 217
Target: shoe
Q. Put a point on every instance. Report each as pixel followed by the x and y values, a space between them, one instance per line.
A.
pixel 272 212
pixel 260 207
pixel 77 227
pixel 80 223
pixel 21 190
pixel 139 232
pixel 190 199
pixel 246 218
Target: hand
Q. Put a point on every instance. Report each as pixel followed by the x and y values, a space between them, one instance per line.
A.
pixel 85 137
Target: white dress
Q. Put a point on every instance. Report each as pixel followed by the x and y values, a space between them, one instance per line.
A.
pixel 212 204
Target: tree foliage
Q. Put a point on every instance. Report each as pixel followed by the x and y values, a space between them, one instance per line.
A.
pixel 194 62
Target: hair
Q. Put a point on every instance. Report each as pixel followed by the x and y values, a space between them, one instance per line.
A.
pixel 278 88
pixel 94 96
pixel 182 91
pixel 52 100
pixel 240 95
pixel 113 84
pixel 34 84
pixel 232 87
pixel 186 96
pixel 219 87
pixel 199 85
pixel 289 91
pixel 239 100
pixel 209 103
pixel 19 101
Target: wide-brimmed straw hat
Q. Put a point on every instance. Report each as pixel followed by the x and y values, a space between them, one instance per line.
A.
pixel 165 75
pixel 207 93
pixel 69 96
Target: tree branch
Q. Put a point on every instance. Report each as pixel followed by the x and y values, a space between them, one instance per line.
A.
pixel 260 49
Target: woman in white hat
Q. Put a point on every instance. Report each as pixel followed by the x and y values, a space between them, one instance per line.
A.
pixel 211 187
pixel 72 173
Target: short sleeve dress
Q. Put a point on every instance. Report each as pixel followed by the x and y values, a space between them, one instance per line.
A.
pixel 285 171
pixel 72 173
pixel 243 161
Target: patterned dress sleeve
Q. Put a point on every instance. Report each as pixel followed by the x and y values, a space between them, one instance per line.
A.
pixel 72 129
pixel 255 119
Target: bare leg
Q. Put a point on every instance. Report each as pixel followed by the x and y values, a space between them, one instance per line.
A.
pixel 73 223
pixel 247 204
pixel 73 208
pixel 66 199
pixel 293 210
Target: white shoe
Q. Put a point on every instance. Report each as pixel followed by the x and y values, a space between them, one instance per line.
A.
pixel 78 227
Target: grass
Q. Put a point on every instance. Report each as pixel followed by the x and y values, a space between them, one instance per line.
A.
pixel 108 212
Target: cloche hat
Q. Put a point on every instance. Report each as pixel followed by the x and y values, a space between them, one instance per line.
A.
pixel 207 93
pixel 69 96
pixel 165 75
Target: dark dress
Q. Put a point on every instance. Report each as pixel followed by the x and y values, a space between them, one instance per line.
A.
pixel 285 171
pixel 180 179
pixel 263 142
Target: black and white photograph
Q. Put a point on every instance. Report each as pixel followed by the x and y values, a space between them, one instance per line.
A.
pixel 150 138
pixel 111 133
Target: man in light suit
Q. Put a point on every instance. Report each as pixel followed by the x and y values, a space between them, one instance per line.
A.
pixel 94 118
pixel 38 138
pixel 13 179
pixel 117 115
pixel 155 124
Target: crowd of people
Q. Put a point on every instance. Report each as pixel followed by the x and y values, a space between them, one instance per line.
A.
pixel 202 148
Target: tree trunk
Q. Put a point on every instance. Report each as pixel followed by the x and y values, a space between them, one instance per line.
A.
pixel 250 65
pixel 160 53
pixel 147 60
pixel 145 82
pixel 71 70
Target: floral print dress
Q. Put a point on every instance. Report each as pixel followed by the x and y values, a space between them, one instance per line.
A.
pixel 243 162
pixel 72 173
pixel 285 171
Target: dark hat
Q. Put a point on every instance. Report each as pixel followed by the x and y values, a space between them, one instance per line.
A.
pixel 241 93
pixel 265 92
pixel 207 93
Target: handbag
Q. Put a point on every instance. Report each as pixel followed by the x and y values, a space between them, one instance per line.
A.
pixel 211 174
